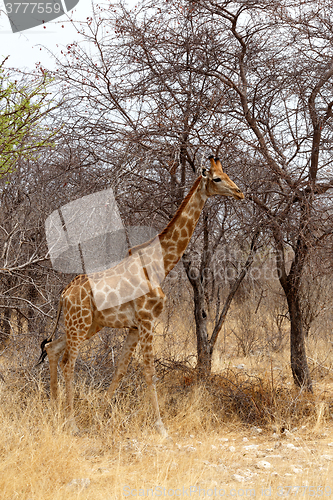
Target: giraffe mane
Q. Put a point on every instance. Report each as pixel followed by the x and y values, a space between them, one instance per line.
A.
pixel 181 207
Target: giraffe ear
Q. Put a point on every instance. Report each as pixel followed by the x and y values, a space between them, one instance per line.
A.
pixel 212 162
pixel 204 172
pixel 218 163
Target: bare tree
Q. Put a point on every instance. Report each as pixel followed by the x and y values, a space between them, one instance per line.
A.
pixel 27 131
pixel 207 289
pixel 277 71
pixel 30 288
pixel 152 90
pixel 140 103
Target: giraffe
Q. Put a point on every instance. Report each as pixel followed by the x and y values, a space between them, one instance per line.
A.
pixel 128 295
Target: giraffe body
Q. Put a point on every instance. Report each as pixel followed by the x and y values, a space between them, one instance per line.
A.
pixel 129 295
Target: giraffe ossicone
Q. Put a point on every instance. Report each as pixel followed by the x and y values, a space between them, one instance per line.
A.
pixel 128 295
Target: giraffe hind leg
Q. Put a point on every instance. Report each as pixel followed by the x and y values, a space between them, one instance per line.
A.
pixel 74 339
pixel 54 350
pixel 67 365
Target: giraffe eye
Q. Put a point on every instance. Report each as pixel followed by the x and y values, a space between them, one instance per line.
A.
pixel 217 179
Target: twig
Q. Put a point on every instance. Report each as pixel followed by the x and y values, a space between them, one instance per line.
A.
pixel 28 302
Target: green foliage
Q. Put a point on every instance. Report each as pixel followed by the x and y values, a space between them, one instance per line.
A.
pixel 22 107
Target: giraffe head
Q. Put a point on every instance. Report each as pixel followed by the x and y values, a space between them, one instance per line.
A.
pixel 218 183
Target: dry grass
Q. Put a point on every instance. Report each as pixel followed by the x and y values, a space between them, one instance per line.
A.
pixel 224 431
pixel 118 450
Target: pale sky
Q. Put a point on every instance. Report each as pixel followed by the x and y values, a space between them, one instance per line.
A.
pixel 27 48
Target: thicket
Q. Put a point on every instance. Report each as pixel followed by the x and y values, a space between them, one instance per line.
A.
pixel 142 104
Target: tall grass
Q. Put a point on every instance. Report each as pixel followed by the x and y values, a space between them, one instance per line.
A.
pixel 118 450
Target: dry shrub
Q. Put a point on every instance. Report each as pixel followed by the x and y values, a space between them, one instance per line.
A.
pixel 234 395
pixel 118 444
pixel 260 399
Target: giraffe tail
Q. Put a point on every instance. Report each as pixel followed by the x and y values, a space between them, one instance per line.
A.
pixel 50 338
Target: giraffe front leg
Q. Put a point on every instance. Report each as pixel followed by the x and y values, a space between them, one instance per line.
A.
pixel 146 341
pixel 54 351
pixel 126 354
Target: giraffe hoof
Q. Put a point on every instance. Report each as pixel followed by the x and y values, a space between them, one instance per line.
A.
pixel 162 431
pixel 72 428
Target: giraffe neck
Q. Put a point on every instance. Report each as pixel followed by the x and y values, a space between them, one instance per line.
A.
pixel 177 234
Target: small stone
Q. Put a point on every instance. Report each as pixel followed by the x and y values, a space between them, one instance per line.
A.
pixel 251 447
pixel 257 430
pixel 245 440
pixel 247 473
pixel 297 470
pixel 221 468
pixel 291 446
pixel 238 478
pixel 241 366
pixel 327 457
pixel 225 440
pixel 191 436
pixel 329 444
pixel 214 447
pixel 232 448
pixel 263 465
pixel 191 449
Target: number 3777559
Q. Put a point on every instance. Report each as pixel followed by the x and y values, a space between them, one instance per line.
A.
pixel 31 7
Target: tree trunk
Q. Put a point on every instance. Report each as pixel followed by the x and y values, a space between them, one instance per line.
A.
pixel 204 351
pixel 205 346
pixel 291 284
pixel 298 359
